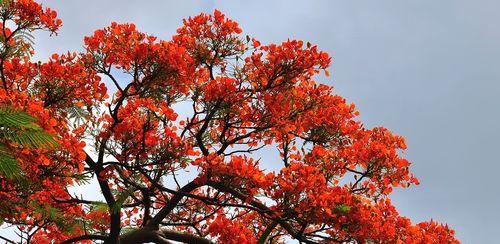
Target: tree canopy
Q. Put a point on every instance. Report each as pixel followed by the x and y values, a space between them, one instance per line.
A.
pixel 172 130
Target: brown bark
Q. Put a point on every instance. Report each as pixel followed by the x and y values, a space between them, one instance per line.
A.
pixel 162 236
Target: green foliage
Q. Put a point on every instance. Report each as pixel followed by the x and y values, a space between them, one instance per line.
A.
pixel 19 129
pixel 99 206
pixel 10 117
pixel 9 166
pixel 26 43
pixel 55 215
pixel 23 39
pixel 78 114
pixel 343 209
pixel 121 198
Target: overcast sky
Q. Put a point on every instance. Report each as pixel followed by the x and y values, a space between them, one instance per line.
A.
pixel 427 70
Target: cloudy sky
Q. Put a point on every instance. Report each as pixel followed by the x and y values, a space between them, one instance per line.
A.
pixel 425 69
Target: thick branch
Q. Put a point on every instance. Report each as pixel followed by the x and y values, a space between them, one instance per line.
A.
pixel 110 200
pixel 265 235
pixel 84 237
pixel 145 235
pixel 157 219
pixel 184 237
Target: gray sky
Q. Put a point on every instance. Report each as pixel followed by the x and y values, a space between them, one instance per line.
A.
pixel 426 69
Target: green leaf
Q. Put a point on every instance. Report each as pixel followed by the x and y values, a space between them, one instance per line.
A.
pixel 48 212
pixel 9 167
pixel 20 128
pixel 11 118
pixel 99 206
pixel 31 138
pixel 77 113
pixel 39 139
pixel 343 209
pixel 121 198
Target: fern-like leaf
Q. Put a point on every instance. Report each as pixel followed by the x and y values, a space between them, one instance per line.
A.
pixel 122 198
pixel 9 167
pixel 18 127
pixel 16 119
pixel 78 114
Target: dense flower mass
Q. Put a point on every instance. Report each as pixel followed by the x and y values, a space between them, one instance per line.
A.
pixel 135 114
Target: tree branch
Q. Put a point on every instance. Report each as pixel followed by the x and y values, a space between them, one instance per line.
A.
pixel 265 235
pixel 157 219
pixel 184 237
pixel 110 200
pixel 84 237
pixel 263 208
pixel 144 235
pixel 7 240
pixel 161 236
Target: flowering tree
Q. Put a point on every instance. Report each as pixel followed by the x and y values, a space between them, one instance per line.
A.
pixel 205 101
